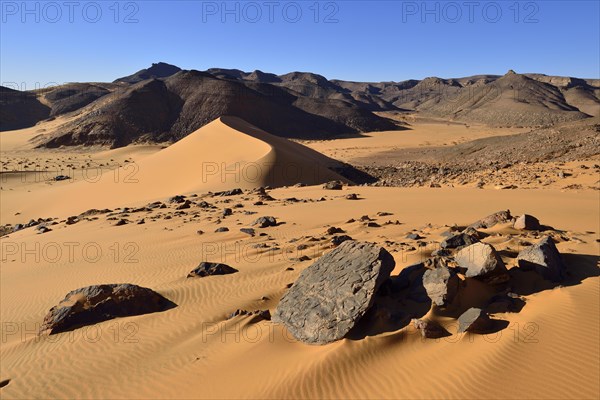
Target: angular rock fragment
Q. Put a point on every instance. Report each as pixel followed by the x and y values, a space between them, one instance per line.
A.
pixel 441 284
pixel 474 320
pixel 527 222
pixel 544 258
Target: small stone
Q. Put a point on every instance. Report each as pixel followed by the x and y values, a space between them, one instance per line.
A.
pixel 333 185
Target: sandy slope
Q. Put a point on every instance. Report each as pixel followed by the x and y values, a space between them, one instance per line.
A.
pixel 549 350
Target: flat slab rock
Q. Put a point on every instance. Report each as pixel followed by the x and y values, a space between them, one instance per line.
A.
pixel 332 294
pixel 93 304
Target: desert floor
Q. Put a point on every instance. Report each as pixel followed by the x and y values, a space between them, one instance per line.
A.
pixel 548 350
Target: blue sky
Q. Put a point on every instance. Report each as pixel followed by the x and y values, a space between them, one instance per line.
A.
pixel 64 41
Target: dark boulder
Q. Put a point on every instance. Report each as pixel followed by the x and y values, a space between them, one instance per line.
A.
pixel 210 269
pixel 265 222
pixel 93 304
pixel 544 258
pixel 331 295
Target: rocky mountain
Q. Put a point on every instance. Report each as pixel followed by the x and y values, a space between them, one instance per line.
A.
pixel 165 103
pixel 157 70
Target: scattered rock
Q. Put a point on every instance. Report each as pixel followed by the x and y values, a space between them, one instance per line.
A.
pixel 121 222
pixel 265 222
pixel 232 192
pixel 474 320
pixel 332 230
pixel 43 229
pixel 352 196
pixel 332 294
pixel 222 229
pixel 177 199
pixel 459 240
pixel 227 212
pixel 337 240
pixel 482 261
pixel 527 222
pixel 414 236
pixel 430 329
pixel 333 185
pixel 544 258
pixel 93 304
pixel 185 205
pixel 72 220
pixel 61 178
pixel 248 231
pixel 210 269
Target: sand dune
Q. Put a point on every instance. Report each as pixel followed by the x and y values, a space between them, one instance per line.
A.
pixel 224 154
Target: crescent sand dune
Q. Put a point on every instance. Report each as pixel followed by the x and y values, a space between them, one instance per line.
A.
pixel 196 350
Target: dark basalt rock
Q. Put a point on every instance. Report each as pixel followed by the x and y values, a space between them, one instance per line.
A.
pixel 210 269
pixel 265 222
pixel 332 294
pixel 544 258
pixel 337 240
pixel 93 304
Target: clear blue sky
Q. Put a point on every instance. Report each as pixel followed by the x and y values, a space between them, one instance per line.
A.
pixel 352 40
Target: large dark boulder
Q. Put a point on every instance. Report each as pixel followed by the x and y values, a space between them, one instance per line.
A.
pixel 332 294
pixel 481 261
pixel 440 283
pixel 93 304
pixel 544 258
